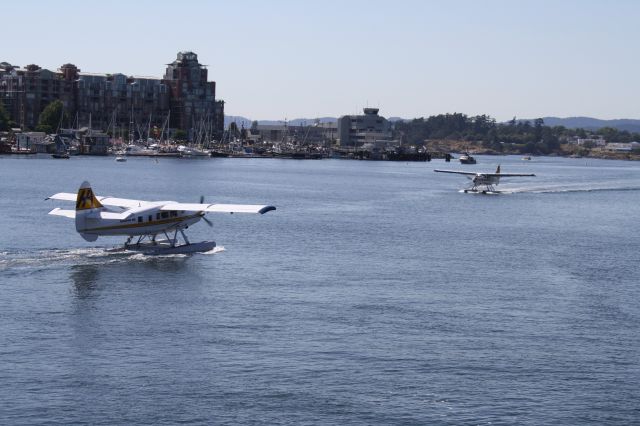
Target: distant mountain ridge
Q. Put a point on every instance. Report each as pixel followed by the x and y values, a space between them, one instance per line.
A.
pixel 587 123
pixel 239 120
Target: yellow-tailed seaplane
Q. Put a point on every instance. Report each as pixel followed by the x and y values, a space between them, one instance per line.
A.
pixel 483 183
pixel 146 220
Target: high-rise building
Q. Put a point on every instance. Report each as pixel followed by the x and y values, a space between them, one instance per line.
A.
pixel 117 102
pixel 193 98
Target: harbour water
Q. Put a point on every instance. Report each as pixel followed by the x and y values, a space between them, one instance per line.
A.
pixel 377 293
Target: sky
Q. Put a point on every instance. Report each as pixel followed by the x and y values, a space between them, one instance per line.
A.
pixel 280 59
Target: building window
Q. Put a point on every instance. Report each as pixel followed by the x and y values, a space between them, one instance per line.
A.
pixel 139 219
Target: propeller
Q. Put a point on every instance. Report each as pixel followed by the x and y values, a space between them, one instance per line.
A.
pixel 203 214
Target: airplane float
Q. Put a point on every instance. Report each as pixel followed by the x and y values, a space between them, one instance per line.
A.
pixel 486 180
pixel 146 220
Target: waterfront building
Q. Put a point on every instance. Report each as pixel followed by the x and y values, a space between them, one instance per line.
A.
pixel 27 141
pixel 116 102
pixel 301 134
pixel 588 141
pixel 358 130
pixel 622 147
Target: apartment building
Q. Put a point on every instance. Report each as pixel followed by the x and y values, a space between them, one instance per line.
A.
pixel 116 102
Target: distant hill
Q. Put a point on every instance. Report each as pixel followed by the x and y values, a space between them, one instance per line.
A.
pixel 589 123
pixel 586 123
pixel 228 119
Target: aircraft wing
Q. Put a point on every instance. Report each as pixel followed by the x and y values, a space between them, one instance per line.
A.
pixel 105 201
pixel 66 213
pixel 507 174
pixel 457 172
pixel 219 208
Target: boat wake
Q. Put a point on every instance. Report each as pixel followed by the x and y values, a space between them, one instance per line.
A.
pixel 215 250
pixel 53 258
pixel 567 189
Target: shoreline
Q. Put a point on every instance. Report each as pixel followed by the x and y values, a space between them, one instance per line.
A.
pixel 602 156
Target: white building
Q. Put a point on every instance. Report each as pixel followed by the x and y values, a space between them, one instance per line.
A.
pixel 27 140
pixel 622 147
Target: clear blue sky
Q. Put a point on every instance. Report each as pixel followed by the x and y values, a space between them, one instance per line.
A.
pixel 277 59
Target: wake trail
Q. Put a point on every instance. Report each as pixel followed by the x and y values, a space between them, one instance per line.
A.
pixel 568 189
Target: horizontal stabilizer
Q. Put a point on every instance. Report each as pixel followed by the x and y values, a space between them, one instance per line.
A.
pixel 218 208
pixel 66 213
pixel 124 203
pixel 64 196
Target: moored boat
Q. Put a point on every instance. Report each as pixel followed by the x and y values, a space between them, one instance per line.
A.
pixel 466 158
pixel 188 151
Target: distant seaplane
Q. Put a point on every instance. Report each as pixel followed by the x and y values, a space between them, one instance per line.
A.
pixel 484 182
pixel 146 220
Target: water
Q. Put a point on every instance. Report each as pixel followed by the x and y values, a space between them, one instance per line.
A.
pixel 376 294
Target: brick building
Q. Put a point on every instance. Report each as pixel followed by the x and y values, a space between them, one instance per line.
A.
pixel 127 104
pixel 193 103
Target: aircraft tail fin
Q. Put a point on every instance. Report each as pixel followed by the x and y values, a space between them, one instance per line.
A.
pixel 86 204
pixel 86 199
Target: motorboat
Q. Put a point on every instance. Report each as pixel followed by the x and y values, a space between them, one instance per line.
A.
pixel 137 150
pixel 188 151
pixel 466 158
pixel 63 155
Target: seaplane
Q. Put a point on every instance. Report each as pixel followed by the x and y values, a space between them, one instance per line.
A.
pixel 484 183
pixel 144 220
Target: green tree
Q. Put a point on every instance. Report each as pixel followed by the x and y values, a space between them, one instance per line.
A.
pixel 51 117
pixel 609 134
pixel 180 135
pixel 4 119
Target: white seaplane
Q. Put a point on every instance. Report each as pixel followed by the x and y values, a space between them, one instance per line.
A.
pixel 483 183
pixel 146 220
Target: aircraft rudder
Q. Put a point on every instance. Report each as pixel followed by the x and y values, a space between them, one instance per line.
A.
pixel 86 199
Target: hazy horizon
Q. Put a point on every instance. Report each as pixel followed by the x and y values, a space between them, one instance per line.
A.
pixel 283 59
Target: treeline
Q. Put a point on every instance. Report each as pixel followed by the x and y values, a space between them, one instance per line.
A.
pixel 516 135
